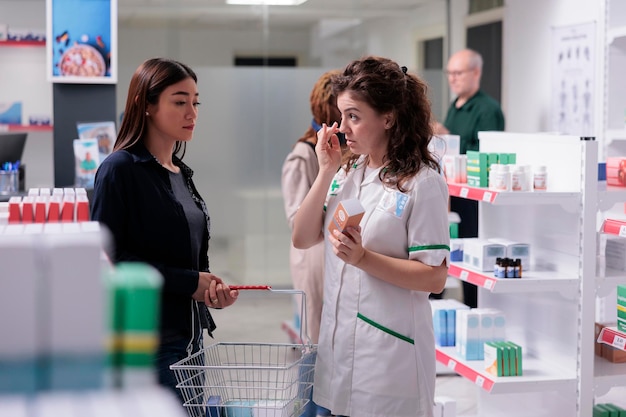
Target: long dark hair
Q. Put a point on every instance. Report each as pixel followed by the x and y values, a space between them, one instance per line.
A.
pixel 388 88
pixel 146 85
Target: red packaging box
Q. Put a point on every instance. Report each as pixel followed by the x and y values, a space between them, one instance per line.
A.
pixel 616 171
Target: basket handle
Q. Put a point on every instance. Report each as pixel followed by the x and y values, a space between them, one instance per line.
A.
pixel 303 318
pixel 250 287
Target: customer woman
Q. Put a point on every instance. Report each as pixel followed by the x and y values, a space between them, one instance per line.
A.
pixel 376 353
pixel 144 194
pixel 298 173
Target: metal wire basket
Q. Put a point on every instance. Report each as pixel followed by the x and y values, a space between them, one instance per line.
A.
pixel 247 379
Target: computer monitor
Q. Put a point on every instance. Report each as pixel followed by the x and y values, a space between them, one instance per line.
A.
pixel 12 146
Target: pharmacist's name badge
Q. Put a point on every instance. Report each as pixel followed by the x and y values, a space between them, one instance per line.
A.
pixel 393 202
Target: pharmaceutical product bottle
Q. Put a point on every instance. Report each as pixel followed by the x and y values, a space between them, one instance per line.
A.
pixel 540 178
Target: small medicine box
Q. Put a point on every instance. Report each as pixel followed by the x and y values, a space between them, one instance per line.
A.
pixel 515 250
pixel 348 213
pixel 481 254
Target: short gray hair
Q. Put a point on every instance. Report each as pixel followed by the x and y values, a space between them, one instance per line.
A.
pixel 475 59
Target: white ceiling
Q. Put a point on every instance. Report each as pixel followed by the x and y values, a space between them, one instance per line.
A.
pixel 217 14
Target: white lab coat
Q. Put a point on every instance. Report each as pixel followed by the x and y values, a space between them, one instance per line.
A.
pixel 376 354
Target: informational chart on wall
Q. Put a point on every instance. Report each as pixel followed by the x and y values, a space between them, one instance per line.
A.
pixel 82 41
pixel 573 79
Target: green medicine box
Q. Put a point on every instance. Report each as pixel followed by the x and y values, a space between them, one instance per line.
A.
pixel 621 308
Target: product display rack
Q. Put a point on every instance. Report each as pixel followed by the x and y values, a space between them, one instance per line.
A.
pixel 18 44
pixel 30 51
pixel 551 310
pixel 531 281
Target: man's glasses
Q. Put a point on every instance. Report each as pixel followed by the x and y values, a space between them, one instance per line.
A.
pixel 456 73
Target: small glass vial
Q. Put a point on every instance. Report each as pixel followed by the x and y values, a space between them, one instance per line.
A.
pixel 540 178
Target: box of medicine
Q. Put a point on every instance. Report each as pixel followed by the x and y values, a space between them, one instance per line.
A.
pixel 456 250
pixel 515 250
pixel 615 252
pixel 348 213
pixel 444 320
pixel 616 171
pixel 481 253
pixel 468 342
pixel 493 359
pixel 621 308
pixel 596 333
pixel 477 169
pixel 448 406
pixel 517 369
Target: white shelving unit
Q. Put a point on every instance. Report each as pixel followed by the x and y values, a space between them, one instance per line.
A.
pixel 615 85
pixel 551 310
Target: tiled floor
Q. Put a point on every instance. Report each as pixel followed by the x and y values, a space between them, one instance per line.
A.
pixel 257 317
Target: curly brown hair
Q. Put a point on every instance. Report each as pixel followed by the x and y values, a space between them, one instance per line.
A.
pixel 388 88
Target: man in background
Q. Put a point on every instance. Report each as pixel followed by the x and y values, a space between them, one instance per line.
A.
pixel 471 112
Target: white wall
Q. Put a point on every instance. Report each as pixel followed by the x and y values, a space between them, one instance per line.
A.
pixel 526 57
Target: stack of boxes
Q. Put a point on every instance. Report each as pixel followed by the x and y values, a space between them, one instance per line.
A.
pixel 51 307
pixel 608 410
pixel 476 326
pixel 134 291
pixel 42 205
pixel 444 320
pixel 503 358
pixel 479 163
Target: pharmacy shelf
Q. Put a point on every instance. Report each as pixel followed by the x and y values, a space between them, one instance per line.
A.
pixel 18 44
pixel 613 337
pixel 512 197
pixel 609 195
pixel 25 128
pixel 538 376
pixel 614 134
pixel 607 279
pixel 616 33
pixel 608 374
pixel 531 281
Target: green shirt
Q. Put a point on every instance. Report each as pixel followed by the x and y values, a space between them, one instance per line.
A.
pixel 88 165
pixel 480 113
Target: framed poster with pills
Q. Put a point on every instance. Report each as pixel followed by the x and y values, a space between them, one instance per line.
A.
pixel 81 41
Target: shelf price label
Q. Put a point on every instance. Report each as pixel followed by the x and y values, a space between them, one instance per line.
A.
pixel 480 381
pixel 464 275
pixel 489 284
pixel 452 364
pixel 464 192
pixel 487 197
pixel 622 230
pixel 619 342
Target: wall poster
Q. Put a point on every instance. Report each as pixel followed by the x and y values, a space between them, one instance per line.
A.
pixel 82 41
pixel 573 79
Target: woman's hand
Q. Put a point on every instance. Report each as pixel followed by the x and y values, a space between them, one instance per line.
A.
pixel 214 292
pixel 328 149
pixel 348 245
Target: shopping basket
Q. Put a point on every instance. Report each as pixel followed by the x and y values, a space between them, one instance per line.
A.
pixel 248 379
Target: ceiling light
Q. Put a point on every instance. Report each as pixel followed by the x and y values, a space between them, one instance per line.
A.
pixel 267 2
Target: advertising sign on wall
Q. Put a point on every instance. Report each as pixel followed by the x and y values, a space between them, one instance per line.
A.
pixel 573 79
pixel 82 41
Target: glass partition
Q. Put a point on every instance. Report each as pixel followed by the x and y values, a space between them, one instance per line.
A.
pixel 251 116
